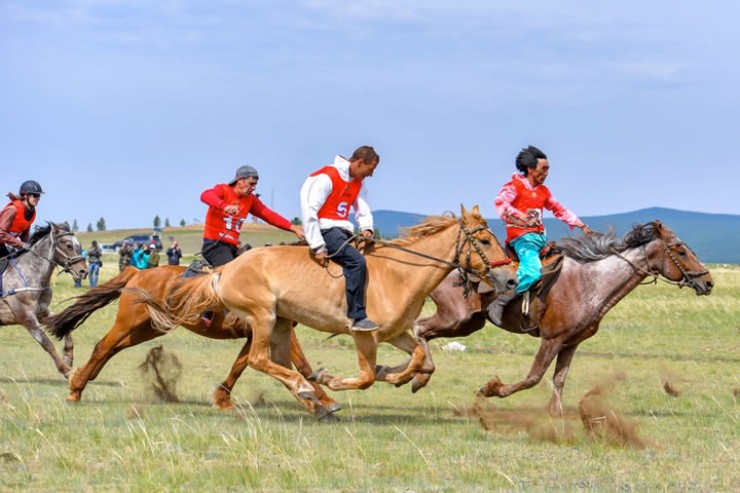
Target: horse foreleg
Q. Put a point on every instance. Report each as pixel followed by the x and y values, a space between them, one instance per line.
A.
pixel 548 350
pixel 367 350
pixel 222 395
pixel 562 365
pixel 34 328
pixel 69 346
pixel 299 360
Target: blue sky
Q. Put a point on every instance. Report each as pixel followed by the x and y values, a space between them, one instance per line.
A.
pixel 129 109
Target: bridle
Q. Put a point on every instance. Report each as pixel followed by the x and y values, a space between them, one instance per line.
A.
pixel 67 262
pixel 687 277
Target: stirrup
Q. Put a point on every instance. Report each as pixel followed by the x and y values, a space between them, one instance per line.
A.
pixel 525 303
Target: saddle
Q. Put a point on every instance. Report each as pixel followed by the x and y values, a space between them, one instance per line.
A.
pixel 196 268
pixel 531 304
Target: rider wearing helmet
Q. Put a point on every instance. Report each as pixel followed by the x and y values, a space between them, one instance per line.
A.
pixel 17 217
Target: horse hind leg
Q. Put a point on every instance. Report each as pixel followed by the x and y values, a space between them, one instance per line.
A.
pixel 562 365
pixel 34 328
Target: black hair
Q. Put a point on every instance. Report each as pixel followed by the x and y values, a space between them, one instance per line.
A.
pixel 527 159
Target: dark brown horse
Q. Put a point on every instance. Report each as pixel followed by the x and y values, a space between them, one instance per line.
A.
pixel 597 272
pixel 26 288
pixel 134 326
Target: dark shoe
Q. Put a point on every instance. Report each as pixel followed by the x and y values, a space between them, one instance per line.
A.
pixel 496 309
pixel 364 325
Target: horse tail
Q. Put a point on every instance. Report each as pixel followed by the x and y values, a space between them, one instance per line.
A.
pixel 100 296
pixel 185 303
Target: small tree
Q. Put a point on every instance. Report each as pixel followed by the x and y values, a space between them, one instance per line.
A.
pixel 89 228
pixel 167 222
pixel 182 222
pixel 157 221
pixel 297 221
pixel 75 227
pixel 101 224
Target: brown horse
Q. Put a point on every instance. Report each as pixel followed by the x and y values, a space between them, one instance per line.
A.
pixel 273 286
pixel 597 272
pixel 134 326
pixel 26 291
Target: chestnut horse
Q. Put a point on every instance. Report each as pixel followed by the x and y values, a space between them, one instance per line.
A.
pixel 134 326
pixel 26 291
pixel 271 287
pixel 597 272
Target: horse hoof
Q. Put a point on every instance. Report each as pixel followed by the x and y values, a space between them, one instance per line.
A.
pixel 317 376
pixel 335 407
pixel 328 417
pixel 71 399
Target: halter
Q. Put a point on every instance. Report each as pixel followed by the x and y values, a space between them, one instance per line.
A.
pixel 688 277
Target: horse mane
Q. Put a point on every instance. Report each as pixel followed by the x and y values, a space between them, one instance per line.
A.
pixel 427 227
pixel 596 247
pixel 39 233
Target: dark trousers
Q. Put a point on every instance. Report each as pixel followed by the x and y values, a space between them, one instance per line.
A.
pixel 218 253
pixel 354 268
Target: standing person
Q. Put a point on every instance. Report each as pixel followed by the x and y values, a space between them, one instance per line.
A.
pixel 140 257
pixel 326 198
pixel 174 254
pixel 229 204
pixel 153 257
pixel 94 260
pixel 78 281
pixel 17 217
pixel 520 204
pixel 125 253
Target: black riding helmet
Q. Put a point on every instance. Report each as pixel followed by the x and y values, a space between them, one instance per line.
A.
pixel 31 186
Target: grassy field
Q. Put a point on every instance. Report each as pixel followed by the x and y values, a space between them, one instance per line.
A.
pixel 122 438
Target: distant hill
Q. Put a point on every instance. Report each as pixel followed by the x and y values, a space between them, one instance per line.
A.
pixel 715 238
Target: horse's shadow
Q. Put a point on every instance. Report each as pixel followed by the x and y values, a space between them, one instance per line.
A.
pixel 51 381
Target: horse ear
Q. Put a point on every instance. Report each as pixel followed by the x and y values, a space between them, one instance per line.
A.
pixel 463 211
pixel 476 210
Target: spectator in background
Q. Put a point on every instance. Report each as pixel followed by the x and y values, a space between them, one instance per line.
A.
pixel 94 261
pixel 174 254
pixel 153 257
pixel 140 257
pixel 125 254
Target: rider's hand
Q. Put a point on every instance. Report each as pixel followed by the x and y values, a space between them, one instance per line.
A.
pixel 586 230
pixel 320 257
pixel 298 230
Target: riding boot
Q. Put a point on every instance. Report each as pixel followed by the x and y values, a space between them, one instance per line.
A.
pixel 496 309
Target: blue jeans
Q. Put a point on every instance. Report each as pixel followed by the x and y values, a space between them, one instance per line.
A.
pixel 528 248
pixel 354 269
pixel 94 271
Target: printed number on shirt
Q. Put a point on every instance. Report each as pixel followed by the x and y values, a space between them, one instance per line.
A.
pixel 233 223
pixel 343 209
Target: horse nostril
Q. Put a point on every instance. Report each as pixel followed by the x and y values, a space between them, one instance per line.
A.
pixel 512 284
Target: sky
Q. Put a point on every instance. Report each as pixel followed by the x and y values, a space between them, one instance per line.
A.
pixel 128 110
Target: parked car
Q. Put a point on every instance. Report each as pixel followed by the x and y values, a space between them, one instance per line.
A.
pixel 138 239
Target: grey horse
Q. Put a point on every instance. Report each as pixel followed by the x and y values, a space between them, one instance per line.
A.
pixel 25 293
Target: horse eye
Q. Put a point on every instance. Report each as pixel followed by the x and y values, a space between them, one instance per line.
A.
pixel 486 241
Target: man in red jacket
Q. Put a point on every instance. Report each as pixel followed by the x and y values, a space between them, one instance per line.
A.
pixel 229 204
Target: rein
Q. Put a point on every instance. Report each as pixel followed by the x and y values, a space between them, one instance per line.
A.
pixel 464 236
pixel 67 262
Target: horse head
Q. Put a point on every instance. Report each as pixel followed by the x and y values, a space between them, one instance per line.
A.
pixel 67 250
pixel 675 261
pixel 491 263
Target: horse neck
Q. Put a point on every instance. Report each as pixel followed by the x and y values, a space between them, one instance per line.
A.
pixel 34 266
pixel 422 275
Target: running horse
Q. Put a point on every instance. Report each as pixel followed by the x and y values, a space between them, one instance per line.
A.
pixel 271 287
pixel 133 325
pixel 26 293
pixel 597 272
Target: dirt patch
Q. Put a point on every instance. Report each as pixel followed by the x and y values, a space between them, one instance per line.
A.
pixel 161 370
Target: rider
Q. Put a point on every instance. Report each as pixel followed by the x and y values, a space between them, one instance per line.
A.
pixel 520 203
pixel 17 217
pixel 228 208
pixel 326 198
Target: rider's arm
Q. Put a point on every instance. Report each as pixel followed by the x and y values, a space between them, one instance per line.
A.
pixel 363 214
pixel 6 219
pixel 563 214
pixel 214 197
pixel 314 192
pixel 263 212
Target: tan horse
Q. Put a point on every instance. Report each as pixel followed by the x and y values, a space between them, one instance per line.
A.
pixel 271 287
